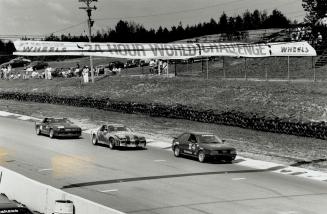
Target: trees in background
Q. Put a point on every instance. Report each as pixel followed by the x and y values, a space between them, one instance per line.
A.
pixel 316 9
pixel 6 50
pixel 125 31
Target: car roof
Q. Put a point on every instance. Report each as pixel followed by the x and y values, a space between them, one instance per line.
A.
pixel 115 124
pixel 200 133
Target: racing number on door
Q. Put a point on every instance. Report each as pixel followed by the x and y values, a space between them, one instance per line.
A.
pixel 192 147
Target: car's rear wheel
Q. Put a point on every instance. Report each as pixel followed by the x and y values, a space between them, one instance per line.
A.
pixel 112 144
pixel 201 157
pixel 38 131
pixel 51 133
pixel 177 151
pixel 94 140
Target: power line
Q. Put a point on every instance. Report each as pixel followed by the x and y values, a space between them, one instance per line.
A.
pixel 172 12
pixel 189 10
pixel 67 28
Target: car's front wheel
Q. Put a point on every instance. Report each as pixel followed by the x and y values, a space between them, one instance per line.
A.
pixel 201 157
pixel 112 144
pixel 51 133
pixel 38 131
pixel 94 140
pixel 177 151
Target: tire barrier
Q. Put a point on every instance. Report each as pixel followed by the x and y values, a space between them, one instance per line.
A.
pixel 246 120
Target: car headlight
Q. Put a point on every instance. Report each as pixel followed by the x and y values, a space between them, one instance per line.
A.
pixel 233 152
pixel 214 153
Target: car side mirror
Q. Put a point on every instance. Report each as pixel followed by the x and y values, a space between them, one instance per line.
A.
pixel 223 141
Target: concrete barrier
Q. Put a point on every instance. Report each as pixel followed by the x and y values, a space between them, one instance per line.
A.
pixel 40 197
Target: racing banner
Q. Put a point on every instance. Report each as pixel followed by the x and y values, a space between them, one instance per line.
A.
pixel 162 51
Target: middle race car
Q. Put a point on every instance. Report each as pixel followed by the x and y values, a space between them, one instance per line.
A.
pixel 115 135
pixel 203 146
pixel 58 127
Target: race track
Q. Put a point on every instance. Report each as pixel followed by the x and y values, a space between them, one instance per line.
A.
pixel 153 180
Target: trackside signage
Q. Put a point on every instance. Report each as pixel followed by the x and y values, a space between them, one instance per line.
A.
pixel 162 51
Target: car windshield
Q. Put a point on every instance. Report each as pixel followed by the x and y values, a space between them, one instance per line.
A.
pixel 118 129
pixel 207 138
pixel 59 120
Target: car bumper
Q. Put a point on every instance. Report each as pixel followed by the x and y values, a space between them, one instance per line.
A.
pixel 68 134
pixel 222 156
pixel 132 144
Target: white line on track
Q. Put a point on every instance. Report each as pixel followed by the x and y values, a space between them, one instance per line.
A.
pixel 159 160
pixel 42 170
pixel 238 179
pixel 109 190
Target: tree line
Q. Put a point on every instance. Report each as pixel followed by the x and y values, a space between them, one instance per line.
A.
pixel 126 31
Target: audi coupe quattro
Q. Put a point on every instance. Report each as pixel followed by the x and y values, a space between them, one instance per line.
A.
pixel 204 146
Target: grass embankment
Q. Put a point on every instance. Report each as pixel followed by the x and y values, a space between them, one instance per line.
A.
pixel 300 101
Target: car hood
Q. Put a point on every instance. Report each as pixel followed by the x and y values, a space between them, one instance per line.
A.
pixel 128 135
pixel 214 146
pixel 65 125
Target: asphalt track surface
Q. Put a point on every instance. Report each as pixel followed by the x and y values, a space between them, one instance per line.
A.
pixel 153 180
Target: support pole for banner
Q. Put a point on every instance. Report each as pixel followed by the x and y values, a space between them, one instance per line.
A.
pixel 266 71
pixel 202 65
pixel 314 69
pixel 90 23
pixel 175 69
pixel 288 68
pixel 245 66
pixel 167 68
pixel 224 72
pixel 207 68
pixel 187 66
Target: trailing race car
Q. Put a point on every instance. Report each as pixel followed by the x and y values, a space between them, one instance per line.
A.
pixel 58 127
pixel 115 135
pixel 203 146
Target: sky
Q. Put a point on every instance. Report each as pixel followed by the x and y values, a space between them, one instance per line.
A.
pixel 42 17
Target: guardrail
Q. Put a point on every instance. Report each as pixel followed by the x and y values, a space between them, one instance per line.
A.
pixel 42 198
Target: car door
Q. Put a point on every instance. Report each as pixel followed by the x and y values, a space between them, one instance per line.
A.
pixel 183 145
pixel 101 133
pixel 191 145
pixel 44 127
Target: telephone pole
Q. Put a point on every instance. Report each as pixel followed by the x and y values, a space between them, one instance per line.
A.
pixel 90 23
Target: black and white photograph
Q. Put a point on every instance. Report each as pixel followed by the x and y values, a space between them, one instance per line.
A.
pixel 163 106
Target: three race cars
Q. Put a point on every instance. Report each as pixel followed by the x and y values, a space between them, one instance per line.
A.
pixel 204 146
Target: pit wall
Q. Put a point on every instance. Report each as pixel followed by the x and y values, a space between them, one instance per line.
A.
pixel 41 198
pixel 248 120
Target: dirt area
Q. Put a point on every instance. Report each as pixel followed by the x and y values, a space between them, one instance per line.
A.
pixel 285 149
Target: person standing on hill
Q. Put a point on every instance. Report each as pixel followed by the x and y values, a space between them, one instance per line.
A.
pixel 319 38
pixel 85 74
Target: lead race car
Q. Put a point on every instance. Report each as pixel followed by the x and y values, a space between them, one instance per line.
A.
pixel 204 146
pixel 116 135
pixel 57 127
